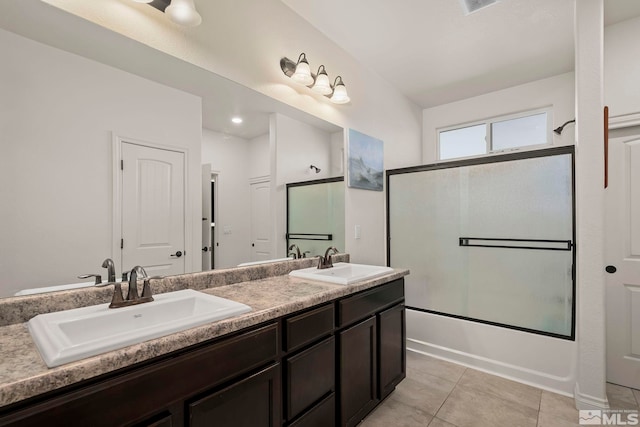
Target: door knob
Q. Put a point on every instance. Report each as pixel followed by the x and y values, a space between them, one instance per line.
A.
pixel 205 249
pixel 610 269
pixel 177 254
pixel 253 245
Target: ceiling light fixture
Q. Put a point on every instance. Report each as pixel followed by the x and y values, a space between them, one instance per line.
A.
pixel 236 120
pixel 183 12
pixel 300 72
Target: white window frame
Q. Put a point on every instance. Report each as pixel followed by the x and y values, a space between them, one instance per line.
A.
pixel 488 136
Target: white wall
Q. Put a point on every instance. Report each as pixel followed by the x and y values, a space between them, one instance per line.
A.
pixel 542 361
pixel 622 68
pixel 557 92
pixel 259 163
pixel 58 112
pixel 228 158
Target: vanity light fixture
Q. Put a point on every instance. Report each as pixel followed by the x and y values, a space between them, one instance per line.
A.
pixel 183 12
pixel 300 72
pixel 322 84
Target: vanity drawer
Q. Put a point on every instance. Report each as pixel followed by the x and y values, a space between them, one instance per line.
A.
pixel 322 415
pixel 307 327
pixel 366 303
pixel 310 375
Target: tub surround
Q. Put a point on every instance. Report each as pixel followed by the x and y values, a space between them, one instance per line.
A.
pixel 267 289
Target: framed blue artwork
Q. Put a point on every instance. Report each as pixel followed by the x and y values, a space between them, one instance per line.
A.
pixel 366 162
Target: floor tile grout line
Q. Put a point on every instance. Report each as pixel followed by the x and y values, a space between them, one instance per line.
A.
pixel 449 394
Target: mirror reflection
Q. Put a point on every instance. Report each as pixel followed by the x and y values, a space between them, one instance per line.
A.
pixel 101 162
pixel 315 216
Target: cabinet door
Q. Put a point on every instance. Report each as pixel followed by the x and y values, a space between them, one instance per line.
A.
pixel 309 376
pixel 358 371
pixel 392 353
pixel 252 402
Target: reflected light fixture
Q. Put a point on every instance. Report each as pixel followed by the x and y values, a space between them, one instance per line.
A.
pixel 183 12
pixel 300 72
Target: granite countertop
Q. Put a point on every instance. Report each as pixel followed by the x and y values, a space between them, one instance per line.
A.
pixel 23 374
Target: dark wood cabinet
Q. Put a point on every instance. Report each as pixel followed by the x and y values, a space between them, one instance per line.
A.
pixel 391 349
pixel 372 355
pixel 324 366
pixel 358 366
pixel 251 402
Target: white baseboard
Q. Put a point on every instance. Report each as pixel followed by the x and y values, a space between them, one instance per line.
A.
pixel 586 402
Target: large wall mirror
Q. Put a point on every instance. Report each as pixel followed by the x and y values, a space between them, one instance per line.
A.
pixel 71 111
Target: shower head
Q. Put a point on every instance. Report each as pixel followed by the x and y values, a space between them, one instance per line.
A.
pixel 559 129
pixel 317 169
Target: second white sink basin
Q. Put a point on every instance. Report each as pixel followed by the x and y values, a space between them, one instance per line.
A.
pixel 342 273
pixel 71 335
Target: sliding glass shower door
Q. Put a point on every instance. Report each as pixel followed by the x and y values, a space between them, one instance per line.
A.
pixel 489 240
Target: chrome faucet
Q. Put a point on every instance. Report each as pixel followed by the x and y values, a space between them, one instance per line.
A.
pixel 111 270
pixel 296 254
pixel 326 261
pixel 118 301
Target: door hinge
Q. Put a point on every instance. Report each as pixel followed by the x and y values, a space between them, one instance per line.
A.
pixel 121 165
pixel 121 243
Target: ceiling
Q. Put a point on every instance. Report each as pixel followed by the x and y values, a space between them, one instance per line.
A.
pixel 434 53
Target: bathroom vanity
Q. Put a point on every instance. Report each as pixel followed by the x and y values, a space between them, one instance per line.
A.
pixel 308 354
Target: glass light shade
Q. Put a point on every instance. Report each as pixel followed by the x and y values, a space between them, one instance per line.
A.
pixel 340 95
pixel 302 74
pixel 183 12
pixel 322 84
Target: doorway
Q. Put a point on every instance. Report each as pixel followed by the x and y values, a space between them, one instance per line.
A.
pixel 149 215
pixel 622 254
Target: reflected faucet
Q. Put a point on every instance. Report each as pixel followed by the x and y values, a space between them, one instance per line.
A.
pixel 296 254
pixel 326 261
pixel 111 270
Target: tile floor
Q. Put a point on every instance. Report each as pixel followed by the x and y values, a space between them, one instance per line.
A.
pixel 443 394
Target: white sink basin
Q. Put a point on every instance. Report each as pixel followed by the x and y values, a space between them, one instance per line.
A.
pixel 342 273
pixel 67 336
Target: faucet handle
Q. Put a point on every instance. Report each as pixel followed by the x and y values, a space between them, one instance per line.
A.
pixel 86 276
pixel 117 300
pixel 146 289
pixel 304 254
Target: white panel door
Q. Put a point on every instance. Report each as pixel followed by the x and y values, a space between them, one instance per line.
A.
pixel 153 205
pixel 623 255
pixel 260 221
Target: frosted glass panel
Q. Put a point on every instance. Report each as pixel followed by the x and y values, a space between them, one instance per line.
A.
pixel 315 211
pixel 512 203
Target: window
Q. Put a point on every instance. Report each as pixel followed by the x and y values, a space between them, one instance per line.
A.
pixel 505 133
